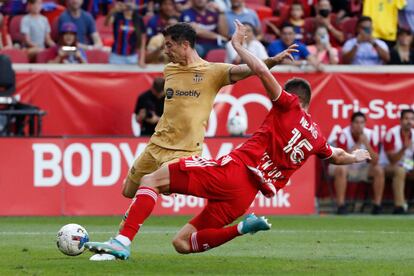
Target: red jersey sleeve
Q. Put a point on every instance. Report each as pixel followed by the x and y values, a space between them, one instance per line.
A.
pixel 325 151
pixel 285 101
pixel 389 142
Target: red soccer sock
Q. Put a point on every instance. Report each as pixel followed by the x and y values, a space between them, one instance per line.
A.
pixel 140 210
pixel 209 238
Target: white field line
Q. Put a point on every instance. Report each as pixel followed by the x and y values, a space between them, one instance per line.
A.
pixel 171 231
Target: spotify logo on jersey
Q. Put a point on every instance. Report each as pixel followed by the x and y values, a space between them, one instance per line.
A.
pixel 169 93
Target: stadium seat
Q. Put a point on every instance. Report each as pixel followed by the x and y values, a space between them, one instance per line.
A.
pixel 53 12
pixel 308 29
pixel 216 55
pixel 262 11
pixel 97 56
pixel 16 55
pixel 104 31
pixel 45 55
pixel 14 29
pixel 348 26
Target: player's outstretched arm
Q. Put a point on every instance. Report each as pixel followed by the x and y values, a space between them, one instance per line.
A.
pixel 273 88
pixel 242 71
pixel 341 157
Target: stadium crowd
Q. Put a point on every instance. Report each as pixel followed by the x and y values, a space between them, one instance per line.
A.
pixel 363 32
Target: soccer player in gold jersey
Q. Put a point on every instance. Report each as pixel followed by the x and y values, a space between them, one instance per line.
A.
pixel 191 84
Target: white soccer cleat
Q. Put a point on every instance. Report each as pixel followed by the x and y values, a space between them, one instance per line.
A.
pixel 102 257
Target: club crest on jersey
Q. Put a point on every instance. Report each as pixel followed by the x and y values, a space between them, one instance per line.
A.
pixel 197 78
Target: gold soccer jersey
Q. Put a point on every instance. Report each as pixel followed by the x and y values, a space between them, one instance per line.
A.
pixel 189 97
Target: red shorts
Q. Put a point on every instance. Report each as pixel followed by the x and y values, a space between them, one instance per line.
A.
pixel 227 184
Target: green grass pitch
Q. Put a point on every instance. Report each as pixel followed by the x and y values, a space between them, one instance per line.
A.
pixel 329 245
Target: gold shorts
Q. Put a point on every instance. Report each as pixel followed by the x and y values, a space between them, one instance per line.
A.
pixel 153 158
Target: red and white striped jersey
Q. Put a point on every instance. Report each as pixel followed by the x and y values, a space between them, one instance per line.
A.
pixel 393 142
pixel 346 140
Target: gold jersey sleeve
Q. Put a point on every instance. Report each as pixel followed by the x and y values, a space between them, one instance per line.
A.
pixel 189 98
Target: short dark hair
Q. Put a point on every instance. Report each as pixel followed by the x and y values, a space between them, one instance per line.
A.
pixel 287 25
pixel 181 32
pixel 406 111
pixel 358 114
pixel 363 19
pixel 299 87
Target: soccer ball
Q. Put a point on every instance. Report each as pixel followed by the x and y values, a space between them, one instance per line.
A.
pixel 71 239
pixel 237 125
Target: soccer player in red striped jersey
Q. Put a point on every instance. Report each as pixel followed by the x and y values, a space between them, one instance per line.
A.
pixel 287 137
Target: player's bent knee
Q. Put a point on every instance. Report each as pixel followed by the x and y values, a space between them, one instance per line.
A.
pixel 181 246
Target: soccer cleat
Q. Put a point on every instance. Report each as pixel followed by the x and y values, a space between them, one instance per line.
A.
pixel 102 257
pixel 112 247
pixel 251 224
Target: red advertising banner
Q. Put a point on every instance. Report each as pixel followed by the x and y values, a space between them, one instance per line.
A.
pixel 71 176
pixel 102 103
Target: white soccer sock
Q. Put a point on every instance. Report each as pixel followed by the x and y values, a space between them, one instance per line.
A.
pixel 239 227
pixel 124 240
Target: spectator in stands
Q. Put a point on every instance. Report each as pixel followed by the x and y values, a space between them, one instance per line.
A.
pixel 5 38
pixel 322 49
pixel 365 49
pixel 210 26
pixel 155 48
pixel 357 136
pixel 253 45
pixel 384 15
pixel 398 158
pixel 325 17
pixel 87 36
pixel 287 38
pixel 158 22
pixel 243 14
pixel 36 29
pixel 295 18
pixel 129 39
pixel 149 107
pixel 67 51
pixel 402 53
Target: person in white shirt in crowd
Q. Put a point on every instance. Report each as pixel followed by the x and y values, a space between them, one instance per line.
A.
pixel 357 136
pixel 397 157
pixel 364 49
pixel 322 49
pixel 253 45
pixel 35 29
